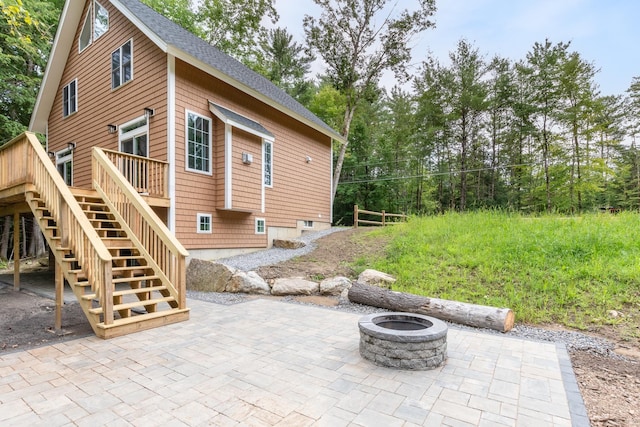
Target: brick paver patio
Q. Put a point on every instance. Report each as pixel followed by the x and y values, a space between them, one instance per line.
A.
pixel 265 363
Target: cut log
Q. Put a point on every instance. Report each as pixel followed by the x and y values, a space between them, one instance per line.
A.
pixel 479 316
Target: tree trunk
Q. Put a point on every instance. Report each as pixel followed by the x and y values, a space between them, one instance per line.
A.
pixel 4 239
pixel 480 316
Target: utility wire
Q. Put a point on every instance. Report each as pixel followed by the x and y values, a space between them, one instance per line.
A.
pixel 432 174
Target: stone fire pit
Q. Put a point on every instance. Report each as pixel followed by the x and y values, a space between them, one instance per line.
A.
pixel 403 340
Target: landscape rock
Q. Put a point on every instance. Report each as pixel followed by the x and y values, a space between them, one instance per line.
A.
pixel 376 278
pixel 294 286
pixel 208 276
pixel 249 283
pixel 288 244
pixel 334 285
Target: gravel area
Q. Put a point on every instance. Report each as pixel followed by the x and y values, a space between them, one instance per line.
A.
pixel 253 260
pixel 247 262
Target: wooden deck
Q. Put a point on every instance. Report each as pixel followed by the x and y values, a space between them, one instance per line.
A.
pixel 125 267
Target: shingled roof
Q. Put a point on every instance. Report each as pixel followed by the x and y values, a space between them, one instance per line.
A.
pixel 175 40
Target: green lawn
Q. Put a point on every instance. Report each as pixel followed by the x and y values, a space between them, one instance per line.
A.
pixel 568 270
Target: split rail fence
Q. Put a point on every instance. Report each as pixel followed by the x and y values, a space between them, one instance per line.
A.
pixel 384 217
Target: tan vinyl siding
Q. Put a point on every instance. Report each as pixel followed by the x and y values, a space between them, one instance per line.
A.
pixel 247 179
pixel 99 105
pixel 301 190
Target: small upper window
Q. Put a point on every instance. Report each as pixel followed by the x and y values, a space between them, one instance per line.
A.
pixel 100 20
pixel 70 98
pixel 95 24
pixel 122 65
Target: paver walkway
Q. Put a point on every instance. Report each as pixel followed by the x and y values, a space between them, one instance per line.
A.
pixel 267 363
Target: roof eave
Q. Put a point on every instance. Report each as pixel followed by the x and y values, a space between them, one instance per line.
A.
pixel 182 55
pixel 62 42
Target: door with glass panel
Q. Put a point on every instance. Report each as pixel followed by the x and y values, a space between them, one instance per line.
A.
pixel 134 139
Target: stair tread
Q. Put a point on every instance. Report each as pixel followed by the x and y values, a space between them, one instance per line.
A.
pixel 134 304
pixel 128 292
pixel 142 317
pixel 134 279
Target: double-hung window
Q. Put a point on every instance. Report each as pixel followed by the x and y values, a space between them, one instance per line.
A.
pixel 267 163
pixel 198 143
pixel 122 65
pixel 70 98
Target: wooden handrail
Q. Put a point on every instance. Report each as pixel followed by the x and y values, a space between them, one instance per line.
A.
pixel 147 176
pixel 384 215
pixel 24 159
pixel 163 251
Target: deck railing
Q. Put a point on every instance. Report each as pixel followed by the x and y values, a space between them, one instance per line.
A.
pixel 162 250
pixel 24 161
pixel 147 176
pixel 384 217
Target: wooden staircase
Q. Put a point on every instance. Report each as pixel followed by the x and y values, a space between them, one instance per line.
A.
pixel 125 267
pixel 139 297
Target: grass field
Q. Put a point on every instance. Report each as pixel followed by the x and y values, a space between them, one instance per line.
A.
pixel 567 270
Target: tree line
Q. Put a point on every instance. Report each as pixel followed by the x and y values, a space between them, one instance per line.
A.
pixel 532 135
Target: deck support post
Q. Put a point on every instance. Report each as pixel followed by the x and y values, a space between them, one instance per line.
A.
pixel 59 297
pixel 16 251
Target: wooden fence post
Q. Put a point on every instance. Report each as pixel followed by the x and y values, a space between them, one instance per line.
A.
pixel 355 216
pixel 383 218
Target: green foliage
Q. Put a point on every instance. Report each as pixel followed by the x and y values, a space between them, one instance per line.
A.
pixel 235 26
pixel 179 11
pixel 568 270
pixel 26 32
pixel 286 63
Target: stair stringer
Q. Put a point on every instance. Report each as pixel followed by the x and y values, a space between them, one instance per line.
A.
pixel 59 255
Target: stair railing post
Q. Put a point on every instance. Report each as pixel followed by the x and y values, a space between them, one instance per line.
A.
pixel 107 293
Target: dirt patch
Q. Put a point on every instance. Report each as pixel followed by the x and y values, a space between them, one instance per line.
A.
pixel 610 387
pixel 28 320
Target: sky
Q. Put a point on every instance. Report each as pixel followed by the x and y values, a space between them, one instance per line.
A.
pixel 604 32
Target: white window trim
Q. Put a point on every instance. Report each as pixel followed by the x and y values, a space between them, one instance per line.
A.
pixel 93 20
pixel 264 224
pixel 91 16
pixel 198 223
pixel 307 224
pixel 186 143
pixel 64 156
pixel 68 85
pixel 88 16
pixel 266 142
pixel 135 132
pixel 132 66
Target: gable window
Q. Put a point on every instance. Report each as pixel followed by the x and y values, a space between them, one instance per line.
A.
pixel 204 223
pixel 95 25
pixel 100 20
pixel 122 65
pixel 198 143
pixel 70 98
pixel 267 162
pixel 260 226
pixel 64 164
